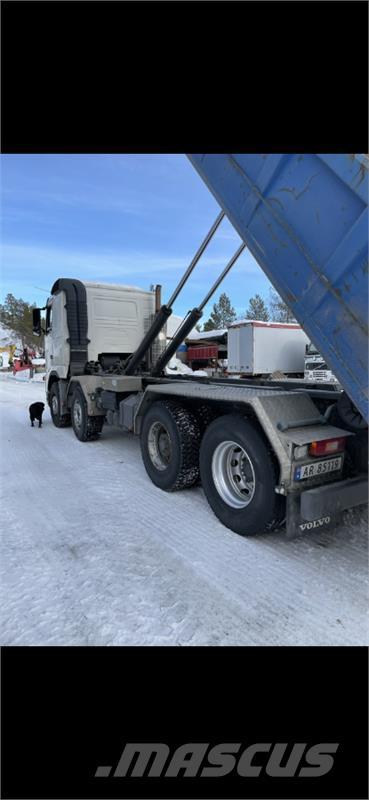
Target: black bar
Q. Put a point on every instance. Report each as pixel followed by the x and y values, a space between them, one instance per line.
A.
pixel 148 339
pixel 187 325
pixel 196 257
pixel 67 711
pixel 222 276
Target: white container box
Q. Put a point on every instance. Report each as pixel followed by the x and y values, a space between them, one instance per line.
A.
pixel 260 348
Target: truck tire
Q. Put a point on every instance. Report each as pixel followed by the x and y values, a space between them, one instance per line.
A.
pixel 59 420
pixel 204 415
pixel 238 476
pixel 87 428
pixel 170 440
pixel 356 458
pixel 349 414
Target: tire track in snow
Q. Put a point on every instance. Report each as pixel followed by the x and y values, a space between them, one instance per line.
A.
pixel 105 557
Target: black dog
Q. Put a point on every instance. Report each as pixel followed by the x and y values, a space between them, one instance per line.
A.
pixel 35 412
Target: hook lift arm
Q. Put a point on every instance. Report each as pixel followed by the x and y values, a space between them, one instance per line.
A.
pixel 166 310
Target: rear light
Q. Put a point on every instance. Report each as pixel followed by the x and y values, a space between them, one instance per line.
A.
pixel 327 447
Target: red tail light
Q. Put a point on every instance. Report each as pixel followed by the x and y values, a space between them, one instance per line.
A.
pixel 327 447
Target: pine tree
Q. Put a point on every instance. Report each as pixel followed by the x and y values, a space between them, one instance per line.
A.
pixel 222 315
pixel 257 309
pixel 17 316
pixel 279 310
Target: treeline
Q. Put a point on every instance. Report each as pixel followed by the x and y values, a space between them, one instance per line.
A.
pixel 16 314
pixel 223 313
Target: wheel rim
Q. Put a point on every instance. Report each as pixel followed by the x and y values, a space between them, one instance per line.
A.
pixel 77 414
pixel 54 405
pixel 159 446
pixel 233 474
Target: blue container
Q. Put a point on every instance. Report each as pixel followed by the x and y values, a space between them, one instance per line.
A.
pixel 305 220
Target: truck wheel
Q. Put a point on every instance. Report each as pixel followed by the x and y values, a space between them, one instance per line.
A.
pixel 86 428
pixel 170 439
pixel 204 415
pixel 349 414
pixel 59 420
pixel 239 477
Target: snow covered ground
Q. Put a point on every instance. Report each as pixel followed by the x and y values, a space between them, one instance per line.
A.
pixel 93 554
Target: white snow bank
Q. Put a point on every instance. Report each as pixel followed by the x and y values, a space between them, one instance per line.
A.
pixel 23 375
pixel 38 377
pixel 176 367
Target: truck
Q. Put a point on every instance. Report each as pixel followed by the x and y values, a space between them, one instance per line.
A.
pixel 261 348
pixel 315 368
pixel 268 455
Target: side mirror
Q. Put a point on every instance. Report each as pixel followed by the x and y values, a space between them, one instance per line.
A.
pixel 36 314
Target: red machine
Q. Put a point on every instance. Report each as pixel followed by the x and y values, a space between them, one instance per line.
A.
pixel 24 361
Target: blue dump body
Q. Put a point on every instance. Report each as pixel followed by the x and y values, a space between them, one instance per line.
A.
pixel 305 220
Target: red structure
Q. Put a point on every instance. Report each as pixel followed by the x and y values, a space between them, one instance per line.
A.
pixel 202 352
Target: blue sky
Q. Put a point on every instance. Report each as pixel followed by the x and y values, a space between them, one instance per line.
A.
pixel 132 219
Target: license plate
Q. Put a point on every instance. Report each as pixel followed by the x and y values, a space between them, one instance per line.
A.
pixel 318 468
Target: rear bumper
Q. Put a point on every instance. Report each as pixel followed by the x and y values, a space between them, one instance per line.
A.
pixel 333 498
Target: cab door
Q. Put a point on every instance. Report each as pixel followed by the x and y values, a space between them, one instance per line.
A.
pixel 57 349
pixel 48 341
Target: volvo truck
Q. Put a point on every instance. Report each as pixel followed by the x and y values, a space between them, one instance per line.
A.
pixel 268 455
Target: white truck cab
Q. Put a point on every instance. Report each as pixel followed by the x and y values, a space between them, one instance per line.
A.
pixel 316 369
pixel 110 321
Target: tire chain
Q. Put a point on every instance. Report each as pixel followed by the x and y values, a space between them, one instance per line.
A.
pixel 189 435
